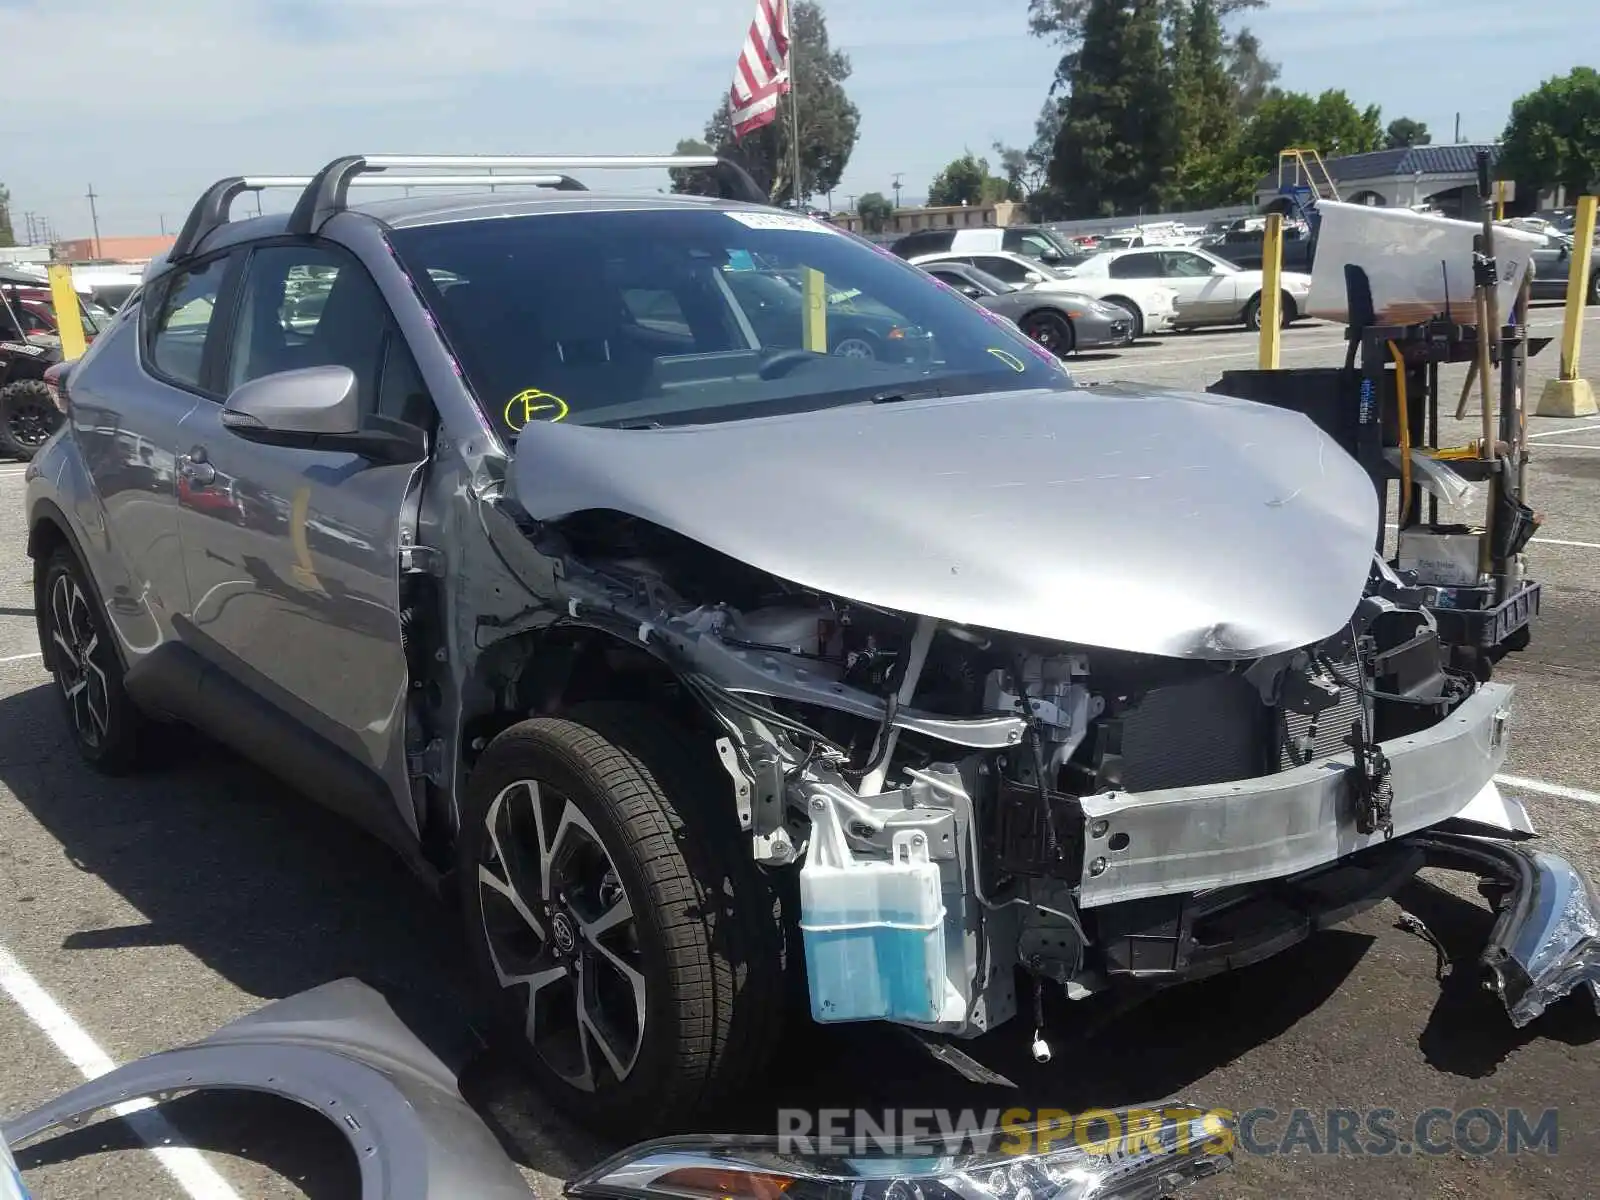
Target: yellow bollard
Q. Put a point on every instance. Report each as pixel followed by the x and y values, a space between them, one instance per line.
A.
pixel 815 318
pixel 1272 292
pixel 69 317
pixel 1571 395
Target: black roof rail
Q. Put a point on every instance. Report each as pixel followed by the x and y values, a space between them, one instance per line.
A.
pixel 211 211
pixel 327 194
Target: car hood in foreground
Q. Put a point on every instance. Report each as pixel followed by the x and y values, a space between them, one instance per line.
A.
pixel 1134 519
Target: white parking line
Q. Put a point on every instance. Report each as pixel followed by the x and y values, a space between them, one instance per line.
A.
pixel 1538 541
pixel 1564 429
pixel 1566 446
pixel 1132 363
pixel 21 657
pixel 1541 788
pixel 191 1172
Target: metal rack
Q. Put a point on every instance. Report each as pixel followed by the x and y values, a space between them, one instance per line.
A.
pixel 326 193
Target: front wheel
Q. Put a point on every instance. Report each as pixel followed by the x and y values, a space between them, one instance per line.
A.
pixel 854 347
pixel 629 946
pixel 1594 284
pixel 28 416
pixel 1133 311
pixel 1051 330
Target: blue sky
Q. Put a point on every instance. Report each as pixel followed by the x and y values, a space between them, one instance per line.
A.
pixel 167 95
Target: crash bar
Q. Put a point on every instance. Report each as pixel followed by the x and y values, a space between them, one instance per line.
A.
pixel 211 211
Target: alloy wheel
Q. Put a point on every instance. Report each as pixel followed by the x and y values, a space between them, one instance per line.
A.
pixel 560 926
pixel 854 347
pixel 30 422
pixel 75 645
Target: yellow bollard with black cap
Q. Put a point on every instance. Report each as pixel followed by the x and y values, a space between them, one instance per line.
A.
pixel 1570 394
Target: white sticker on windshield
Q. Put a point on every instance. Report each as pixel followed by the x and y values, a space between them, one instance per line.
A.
pixel 775 220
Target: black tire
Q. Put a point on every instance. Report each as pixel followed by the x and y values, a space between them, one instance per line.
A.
pixel 857 345
pixel 1594 283
pixel 1252 313
pixel 28 416
pixel 1134 311
pixel 1052 330
pixel 707 940
pixel 80 652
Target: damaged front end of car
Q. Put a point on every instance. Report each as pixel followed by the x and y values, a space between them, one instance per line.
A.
pixel 1107 751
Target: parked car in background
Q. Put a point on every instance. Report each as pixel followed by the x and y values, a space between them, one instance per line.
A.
pixel 1031 241
pixel 1552 269
pixel 1210 290
pixel 1152 304
pixel 1059 321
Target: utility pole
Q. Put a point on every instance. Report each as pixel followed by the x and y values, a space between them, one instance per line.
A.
pixel 27 220
pixel 94 218
pixel 163 220
pixel 1458 129
pixel 895 187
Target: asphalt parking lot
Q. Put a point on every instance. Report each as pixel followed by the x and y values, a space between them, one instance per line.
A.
pixel 153 910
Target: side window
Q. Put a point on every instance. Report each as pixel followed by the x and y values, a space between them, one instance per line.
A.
pixel 1006 269
pixel 310 306
pixel 180 321
pixel 402 394
pixel 1182 265
pixel 1136 266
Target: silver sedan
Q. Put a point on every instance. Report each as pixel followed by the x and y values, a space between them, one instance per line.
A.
pixel 1062 322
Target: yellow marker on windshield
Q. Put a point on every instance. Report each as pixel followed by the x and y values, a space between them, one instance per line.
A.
pixel 1010 360
pixel 532 402
pixel 814 290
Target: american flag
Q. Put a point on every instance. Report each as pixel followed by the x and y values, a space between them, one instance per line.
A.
pixel 763 72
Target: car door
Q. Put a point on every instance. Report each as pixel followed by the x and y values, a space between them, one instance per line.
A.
pixel 292 555
pixel 130 395
pixel 1203 294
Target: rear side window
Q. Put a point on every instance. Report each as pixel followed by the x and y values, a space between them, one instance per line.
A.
pixel 1137 266
pixel 181 321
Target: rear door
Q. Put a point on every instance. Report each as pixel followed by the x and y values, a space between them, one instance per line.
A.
pixel 130 395
pixel 292 555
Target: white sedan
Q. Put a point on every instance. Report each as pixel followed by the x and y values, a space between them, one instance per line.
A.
pixel 1211 290
pixel 1152 304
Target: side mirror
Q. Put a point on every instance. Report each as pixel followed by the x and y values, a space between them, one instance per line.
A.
pixel 971 291
pixel 1049 256
pixel 1034 277
pixel 318 408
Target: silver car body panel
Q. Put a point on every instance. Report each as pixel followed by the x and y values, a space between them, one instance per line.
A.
pixel 338 1049
pixel 1148 521
pixel 1191 839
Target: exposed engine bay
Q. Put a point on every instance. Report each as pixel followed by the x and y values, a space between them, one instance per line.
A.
pixel 938 783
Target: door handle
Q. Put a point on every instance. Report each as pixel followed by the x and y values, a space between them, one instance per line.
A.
pixel 195 469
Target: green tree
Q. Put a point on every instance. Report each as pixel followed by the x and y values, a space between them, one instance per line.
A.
pixel 875 210
pixel 1116 148
pixel 1253 74
pixel 690 181
pixel 829 121
pixel 1064 21
pixel 1403 131
pixel 1553 137
pixel 8 236
pixel 1206 109
pixel 967 180
pixel 1329 124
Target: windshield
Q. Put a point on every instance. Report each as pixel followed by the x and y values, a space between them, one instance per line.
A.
pixel 689 315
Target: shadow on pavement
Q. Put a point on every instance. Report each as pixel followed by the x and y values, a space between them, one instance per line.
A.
pixel 1467 1033
pixel 278 896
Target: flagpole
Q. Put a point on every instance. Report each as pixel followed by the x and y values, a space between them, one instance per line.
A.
pixel 794 99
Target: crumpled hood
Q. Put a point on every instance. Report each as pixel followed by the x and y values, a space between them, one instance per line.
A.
pixel 1136 519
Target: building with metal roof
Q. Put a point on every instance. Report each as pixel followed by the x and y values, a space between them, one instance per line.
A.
pixel 1445 177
